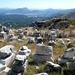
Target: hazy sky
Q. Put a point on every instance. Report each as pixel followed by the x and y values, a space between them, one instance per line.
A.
pixel 38 4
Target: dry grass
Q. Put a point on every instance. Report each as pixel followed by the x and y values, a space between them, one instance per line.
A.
pixel 57 51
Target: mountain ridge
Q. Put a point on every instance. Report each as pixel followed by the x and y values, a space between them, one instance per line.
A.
pixel 25 11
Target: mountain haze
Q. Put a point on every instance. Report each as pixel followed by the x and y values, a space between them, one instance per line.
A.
pixel 22 17
pixel 25 11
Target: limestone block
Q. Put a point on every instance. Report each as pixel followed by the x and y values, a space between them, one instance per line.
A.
pixel 22 60
pixel 24 51
pixel 31 40
pixel 39 40
pixel 61 42
pixel 71 65
pixel 62 60
pixel 23 48
pixel 40 58
pixel 6 70
pixel 51 43
pixel 19 65
pixel 52 67
pixel 70 44
pixel 6 51
pixel 46 36
pixel 2 67
pixel 8 60
pixel 20 57
pixel 43 49
pixel 69 53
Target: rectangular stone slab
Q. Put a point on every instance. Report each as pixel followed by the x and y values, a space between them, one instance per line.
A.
pixel 8 60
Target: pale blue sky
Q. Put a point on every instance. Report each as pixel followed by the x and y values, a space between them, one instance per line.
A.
pixel 38 4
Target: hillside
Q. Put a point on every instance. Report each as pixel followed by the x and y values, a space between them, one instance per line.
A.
pixel 17 20
pixel 70 15
pixel 57 23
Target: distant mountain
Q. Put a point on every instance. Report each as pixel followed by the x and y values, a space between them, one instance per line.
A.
pixel 42 13
pixel 25 17
pixel 18 11
pixel 67 14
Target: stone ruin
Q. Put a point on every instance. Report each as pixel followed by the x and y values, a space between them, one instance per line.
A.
pixel 3 35
pixel 19 65
pixel 52 67
pixel 24 51
pixel 61 42
pixel 51 43
pixel 66 57
pixel 70 67
pixel 46 36
pixel 21 36
pixel 3 32
pixel 4 28
pixel 10 37
pixel 43 53
pixel 70 44
pixel 7 56
pixel 31 40
pixel 21 61
pixel 39 40
pixel 4 68
pixel 36 34
pixel 53 35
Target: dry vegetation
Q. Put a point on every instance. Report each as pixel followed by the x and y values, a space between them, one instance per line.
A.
pixel 57 51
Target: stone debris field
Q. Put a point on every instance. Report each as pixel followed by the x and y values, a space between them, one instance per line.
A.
pixel 55 48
